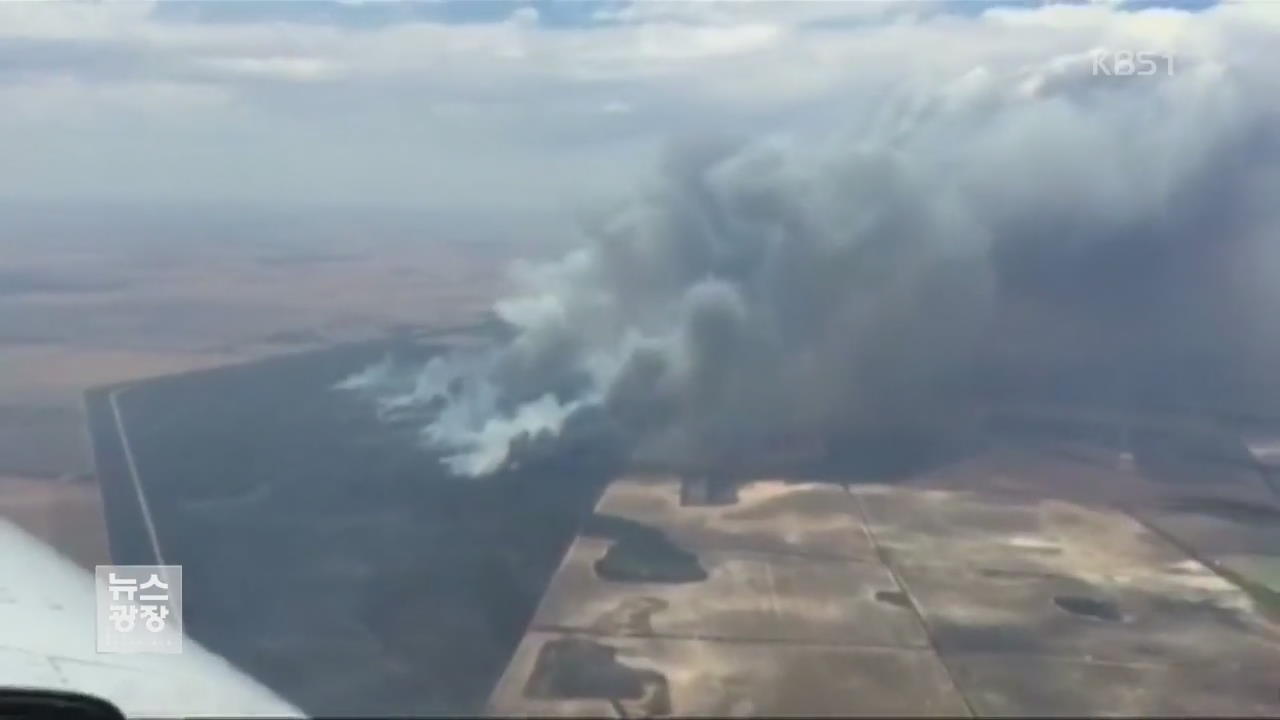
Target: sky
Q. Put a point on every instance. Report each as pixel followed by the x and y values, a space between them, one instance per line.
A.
pixel 493 104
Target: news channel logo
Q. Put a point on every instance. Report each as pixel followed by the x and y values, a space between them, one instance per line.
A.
pixel 1130 63
pixel 139 608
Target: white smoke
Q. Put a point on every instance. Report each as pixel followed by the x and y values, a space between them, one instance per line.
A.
pixel 802 285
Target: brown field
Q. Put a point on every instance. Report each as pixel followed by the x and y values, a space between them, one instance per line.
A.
pixel 65 514
pixel 79 310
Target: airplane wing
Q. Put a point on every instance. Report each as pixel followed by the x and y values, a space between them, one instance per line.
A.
pixel 47 606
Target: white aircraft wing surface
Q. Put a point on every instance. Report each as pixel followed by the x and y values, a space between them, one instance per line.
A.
pixel 47 610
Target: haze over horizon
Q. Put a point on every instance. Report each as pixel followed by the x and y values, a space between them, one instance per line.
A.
pixel 504 106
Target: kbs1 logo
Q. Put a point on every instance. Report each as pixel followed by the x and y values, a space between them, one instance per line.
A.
pixel 1125 63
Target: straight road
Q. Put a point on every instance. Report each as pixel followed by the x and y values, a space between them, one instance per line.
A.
pixel 130 527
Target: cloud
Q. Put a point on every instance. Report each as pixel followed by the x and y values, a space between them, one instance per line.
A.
pixel 458 109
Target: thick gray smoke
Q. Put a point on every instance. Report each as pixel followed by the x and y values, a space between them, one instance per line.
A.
pixel 801 287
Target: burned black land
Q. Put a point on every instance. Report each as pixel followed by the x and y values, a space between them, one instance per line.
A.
pixel 324 552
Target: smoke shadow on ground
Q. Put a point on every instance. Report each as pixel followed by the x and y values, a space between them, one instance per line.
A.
pixel 1190 455
pixel 580 668
pixel 869 455
pixel 641 553
pixel 1181 447
pixel 1238 511
pixel 891 455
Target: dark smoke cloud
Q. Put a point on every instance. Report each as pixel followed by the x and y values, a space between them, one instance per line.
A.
pixel 1013 226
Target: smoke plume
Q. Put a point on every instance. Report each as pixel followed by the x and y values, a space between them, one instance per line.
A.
pixel 1010 224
